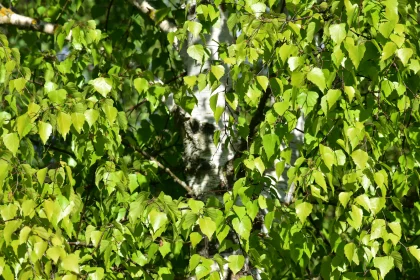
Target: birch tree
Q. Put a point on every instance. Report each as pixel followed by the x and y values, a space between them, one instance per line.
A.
pixel 221 139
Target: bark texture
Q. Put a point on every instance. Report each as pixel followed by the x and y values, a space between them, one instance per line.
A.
pixel 7 16
pixel 205 160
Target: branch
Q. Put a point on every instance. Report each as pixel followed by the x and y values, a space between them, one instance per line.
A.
pixel 53 148
pixel 256 119
pixel 166 169
pixel 8 17
pixel 146 8
pixel 81 244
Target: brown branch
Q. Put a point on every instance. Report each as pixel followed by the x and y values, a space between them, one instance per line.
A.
pixel 166 169
pixel 170 173
pixel 256 119
pixel 107 15
pixel 131 109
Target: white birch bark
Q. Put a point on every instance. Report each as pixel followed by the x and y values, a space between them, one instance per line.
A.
pixel 8 17
pixel 205 160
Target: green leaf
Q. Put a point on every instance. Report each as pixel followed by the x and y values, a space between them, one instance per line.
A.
pixel 28 208
pixel 363 200
pixel 398 261
pixel 102 85
pixel 397 203
pixel 388 51
pixel 95 237
pixel 11 141
pixel 236 262
pixel 350 91
pixel 63 124
pixel 376 204
pixel 195 238
pixel 8 211
pixel 396 228
pixel 40 248
pixel 271 143
pixel 378 229
pixel 294 63
pixel 327 156
pixel 317 77
pixel 58 96
pixel 349 251
pixel 344 198
pixel 360 158
pixel 99 274
pixel 44 130
pixel 415 252
pixel 194 261
pixel 340 157
pixel 356 217
pixel 405 55
pixel 110 112
pixel 328 101
pixel 9 229
pixel 165 249
pixel 320 180
pixel 23 235
pixel 157 219
pixel 207 226
pixel 306 100
pixel 242 227
pixel 195 205
pixel 384 264
pixel 258 9
pixel 338 32
pixel 386 28
pixel 19 84
pixel 41 174
pixel 194 27
pixel 259 164
pixel 92 116
pixel 24 125
pixel 303 210
pixel 141 85
pixel 252 209
pixel 218 71
pixel 197 52
pixel 263 82
pixel 71 263
pixel 354 135
pixel 356 52
pixel 78 119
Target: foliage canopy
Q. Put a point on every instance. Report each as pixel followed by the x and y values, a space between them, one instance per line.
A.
pixel 92 181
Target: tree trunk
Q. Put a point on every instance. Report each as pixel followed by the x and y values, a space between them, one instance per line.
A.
pixel 205 160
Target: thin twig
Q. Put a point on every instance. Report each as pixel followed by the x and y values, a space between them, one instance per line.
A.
pixel 136 106
pixel 166 169
pixel 62 10
pixel 107 15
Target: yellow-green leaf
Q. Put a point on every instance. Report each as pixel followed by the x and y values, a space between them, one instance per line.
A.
pixel 11 141
pixel 63 124
pixel 303 210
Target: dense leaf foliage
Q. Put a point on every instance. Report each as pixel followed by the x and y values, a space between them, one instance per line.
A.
pixel 91 157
